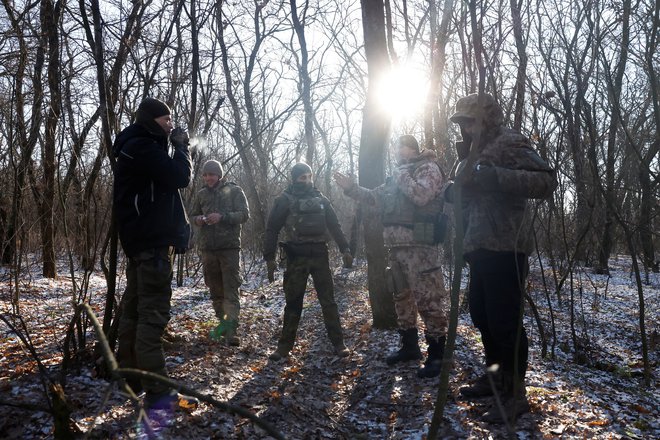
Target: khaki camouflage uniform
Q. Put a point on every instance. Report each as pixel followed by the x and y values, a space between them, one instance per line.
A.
pixel 220 245
pixel 420 181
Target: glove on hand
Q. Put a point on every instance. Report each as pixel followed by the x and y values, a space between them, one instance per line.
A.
pixel 179 138
pixel 271 266
pixel 347 258
pixel 485 176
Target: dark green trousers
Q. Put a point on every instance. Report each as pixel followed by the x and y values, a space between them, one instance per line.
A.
pixel 222 275
pixel 302 263
pixel 145 313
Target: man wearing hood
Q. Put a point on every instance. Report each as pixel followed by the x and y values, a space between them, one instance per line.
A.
pixel 308 220
pixel 410 204
pixel 152 226
pixel 499 175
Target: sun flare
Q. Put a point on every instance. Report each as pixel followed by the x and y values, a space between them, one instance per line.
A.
pixel 403 92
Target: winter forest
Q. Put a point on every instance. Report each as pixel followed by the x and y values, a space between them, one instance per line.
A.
pixel 263 84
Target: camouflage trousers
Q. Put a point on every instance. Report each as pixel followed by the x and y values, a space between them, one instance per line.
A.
pixel 299 268
pixel 145 312
pixel 420 289
pixel 222 276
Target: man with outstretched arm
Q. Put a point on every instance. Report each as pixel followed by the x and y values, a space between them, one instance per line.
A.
pixel 410 205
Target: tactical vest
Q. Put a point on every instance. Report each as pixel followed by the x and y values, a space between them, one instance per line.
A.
pixel 306 220
pixel 427 222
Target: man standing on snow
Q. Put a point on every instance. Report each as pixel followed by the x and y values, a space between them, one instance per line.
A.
pixel 308 219
pixel 410 204
pixel 152 226
pixel 219 210
pixel 498 238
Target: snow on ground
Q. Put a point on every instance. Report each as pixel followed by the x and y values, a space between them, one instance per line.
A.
pixel 599 393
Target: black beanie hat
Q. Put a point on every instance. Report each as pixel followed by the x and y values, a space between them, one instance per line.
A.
pixel 153 108
pixel 150 109
pixel 299 169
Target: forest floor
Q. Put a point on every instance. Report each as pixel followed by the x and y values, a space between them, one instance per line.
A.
pixel 316 395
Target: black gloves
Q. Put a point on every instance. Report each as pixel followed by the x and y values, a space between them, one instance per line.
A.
pixel 485 176
pixel 179 138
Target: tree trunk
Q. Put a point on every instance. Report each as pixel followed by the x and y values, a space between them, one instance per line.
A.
pixel 304 84
pixel 522 64
pixel 257 207
pixel 373 145
pixel 50 14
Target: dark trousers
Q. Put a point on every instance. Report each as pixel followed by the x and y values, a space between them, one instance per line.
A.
pixel 145 313
pixel 302 263
pixel 496 297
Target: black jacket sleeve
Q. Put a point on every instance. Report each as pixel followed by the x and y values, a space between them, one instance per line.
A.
pixel 332 223
pixel 276 219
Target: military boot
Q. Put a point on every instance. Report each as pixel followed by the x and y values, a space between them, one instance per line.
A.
pixel 409 350
pixel 482 386
pixel 218 332
pixel 433 363
pixel 230 337
pixel 514 402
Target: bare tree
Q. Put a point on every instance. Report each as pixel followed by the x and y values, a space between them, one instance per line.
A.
pixel 373 146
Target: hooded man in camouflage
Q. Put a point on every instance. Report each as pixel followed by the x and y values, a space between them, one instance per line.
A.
pixel 309 220
pixel 410 203
pixel 499 177
pixel 219 210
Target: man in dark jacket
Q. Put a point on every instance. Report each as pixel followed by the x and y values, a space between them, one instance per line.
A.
pixel 307 217
pixel 505 172
pixel 152 226
pixel 219 210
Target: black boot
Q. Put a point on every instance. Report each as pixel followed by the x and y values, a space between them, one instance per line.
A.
pixel 409 350
pixel 482 387
pixel 433 363
pixel 513 399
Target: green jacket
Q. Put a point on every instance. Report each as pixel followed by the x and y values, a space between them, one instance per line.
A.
pixel 225 198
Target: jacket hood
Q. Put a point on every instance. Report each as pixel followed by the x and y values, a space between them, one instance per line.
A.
pixel 133 130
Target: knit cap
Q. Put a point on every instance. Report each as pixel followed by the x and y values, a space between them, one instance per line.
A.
pixel 299 169
pixel 150 109
pixel 409 141
pixel 213 167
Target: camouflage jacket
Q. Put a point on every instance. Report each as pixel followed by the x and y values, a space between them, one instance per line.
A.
pixel 421 180
pixel 225 198
pixel 499 219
